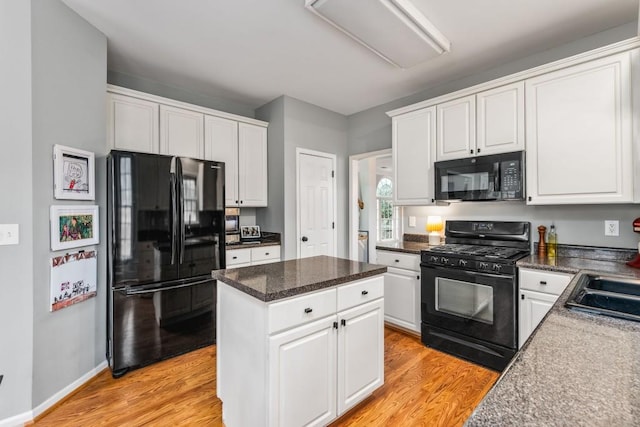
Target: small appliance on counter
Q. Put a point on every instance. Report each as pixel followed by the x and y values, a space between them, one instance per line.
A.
pixel 232 225
pixel 636 261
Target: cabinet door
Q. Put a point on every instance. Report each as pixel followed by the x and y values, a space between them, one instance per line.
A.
pixel 302 381
pixel 533 307
pixel 402 298
pixel 221 144
pixel 181 132
pixel 456 135
pixel 579 134
pixel 252 165
pixel 500 120
pixel 132 124
pixel 360 353
pixel 413 157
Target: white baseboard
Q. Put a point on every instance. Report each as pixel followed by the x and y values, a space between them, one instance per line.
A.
pixel 20 419
pixel 17 420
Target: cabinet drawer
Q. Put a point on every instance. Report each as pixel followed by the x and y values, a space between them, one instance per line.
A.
pixel 265 253
pixel 399 260
pixel 302 309
pixel 544 281
pixel 238 256
pixel 360 292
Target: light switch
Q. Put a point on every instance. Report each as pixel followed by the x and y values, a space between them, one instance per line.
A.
pixel 412 221
pixel 9 234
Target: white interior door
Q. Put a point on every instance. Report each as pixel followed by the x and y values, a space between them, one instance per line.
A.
pixel 316 204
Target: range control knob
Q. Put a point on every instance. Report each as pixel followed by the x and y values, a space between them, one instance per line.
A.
pixel 462 262
pixel 484 265
pixel 497 267
pixel 434 258
pixel 444 260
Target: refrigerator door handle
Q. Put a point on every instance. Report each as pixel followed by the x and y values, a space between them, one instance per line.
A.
pixel 180 188
pixel 174 222
pixel 129 291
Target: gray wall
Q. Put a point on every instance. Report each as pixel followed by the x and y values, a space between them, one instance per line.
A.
pixel 16 262
pixel 305 126
pixel 169 91
pixel 69 108
pixel 370 130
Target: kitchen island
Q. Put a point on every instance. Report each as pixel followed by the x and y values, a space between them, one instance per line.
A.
pixel 299 342
pixel 576 368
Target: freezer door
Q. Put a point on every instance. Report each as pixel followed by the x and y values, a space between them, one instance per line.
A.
pixel 142 213
pixel 202 232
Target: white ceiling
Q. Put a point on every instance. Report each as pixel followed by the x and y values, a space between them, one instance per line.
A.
pixel 252 51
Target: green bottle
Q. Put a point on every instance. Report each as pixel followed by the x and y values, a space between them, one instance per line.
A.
pixel 552 242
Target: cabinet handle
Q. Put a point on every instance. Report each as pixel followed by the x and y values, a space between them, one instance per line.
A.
pixel 478 151
pixel 471 151
pixel 418 277
pixel 335 325
pixel 543 282
pixel 308 310
pixel 266 253
pixel 241 201
pixel 365 292
pixel 343 322
pixel 397 260
pixel 529 198
pixel 433 200
pixel 521 296
pixel 235 257
pixel 237 201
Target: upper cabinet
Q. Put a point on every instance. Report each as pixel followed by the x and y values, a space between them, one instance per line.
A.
pixel 456 128
pixel 579 133
pixel 414 150
pixel 147 123
pixel 500 120
pixel 132 124
pixel 181 132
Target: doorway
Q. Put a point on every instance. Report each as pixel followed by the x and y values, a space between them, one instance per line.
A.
pixel 366 171
pixel 316 203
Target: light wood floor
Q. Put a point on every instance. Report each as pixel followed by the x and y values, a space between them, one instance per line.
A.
pixel 422 387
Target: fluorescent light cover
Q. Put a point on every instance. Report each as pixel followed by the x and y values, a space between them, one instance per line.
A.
pixel 395 30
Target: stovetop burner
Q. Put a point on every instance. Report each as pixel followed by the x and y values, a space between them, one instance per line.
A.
pixel 490 252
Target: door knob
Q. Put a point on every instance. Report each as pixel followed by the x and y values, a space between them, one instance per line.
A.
pixel 305 238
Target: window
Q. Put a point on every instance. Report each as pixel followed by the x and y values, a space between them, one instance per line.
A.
pixel 386 212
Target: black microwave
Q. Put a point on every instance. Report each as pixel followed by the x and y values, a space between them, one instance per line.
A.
pixel 481 178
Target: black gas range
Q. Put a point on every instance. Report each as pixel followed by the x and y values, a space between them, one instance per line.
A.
pixel 469 290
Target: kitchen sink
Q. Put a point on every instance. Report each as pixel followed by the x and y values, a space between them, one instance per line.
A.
pixel 609 296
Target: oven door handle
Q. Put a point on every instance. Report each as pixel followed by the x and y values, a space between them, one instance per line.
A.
pixel 469 273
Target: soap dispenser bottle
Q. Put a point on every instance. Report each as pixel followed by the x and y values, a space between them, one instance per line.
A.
pixel 552 242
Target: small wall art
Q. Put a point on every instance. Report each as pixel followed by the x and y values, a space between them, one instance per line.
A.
pixel 74 226
pixel 73 173
pixel 73 279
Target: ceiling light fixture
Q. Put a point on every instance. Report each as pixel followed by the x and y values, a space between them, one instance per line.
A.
pixel 395 30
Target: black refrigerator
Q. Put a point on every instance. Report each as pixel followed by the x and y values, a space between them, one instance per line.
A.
pixel 165 228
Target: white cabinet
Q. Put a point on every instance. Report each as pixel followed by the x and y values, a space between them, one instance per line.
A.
pixel 221 144
pixel 252 256
pixel 579 133
pixel 303 371
pixel 539 290
pixel 252 165
pixel 500 120
pixel 132 124
pixel 413 136
pixel 299 361
pixel 181 132
pixel 456 128
pixel 401 289
pixel 243 149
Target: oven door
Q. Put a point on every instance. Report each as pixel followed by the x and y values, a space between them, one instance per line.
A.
pixel 474 304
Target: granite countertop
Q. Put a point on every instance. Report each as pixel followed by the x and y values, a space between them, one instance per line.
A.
pixel 576 369
pixel 271 282
pixel 410 244
pixel 245 245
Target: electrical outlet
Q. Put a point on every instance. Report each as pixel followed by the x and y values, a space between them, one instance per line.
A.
pixel 611 228
pixel 9 234
pixel 412 221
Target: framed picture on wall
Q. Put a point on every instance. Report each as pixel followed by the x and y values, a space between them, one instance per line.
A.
pixel 74 226
pixel 73 173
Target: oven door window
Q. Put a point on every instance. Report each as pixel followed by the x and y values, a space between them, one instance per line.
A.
pixel 468 300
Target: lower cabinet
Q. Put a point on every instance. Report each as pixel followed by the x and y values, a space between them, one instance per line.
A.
pixel 324 354
pixel 401 289
pixel 539 290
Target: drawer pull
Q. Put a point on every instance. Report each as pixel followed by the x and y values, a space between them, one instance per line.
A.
pixel 266 253
pixel 235 257
pixel 343 322
pixel 543 282
pixel 397 260
pixel 308 310
pixel 365 292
